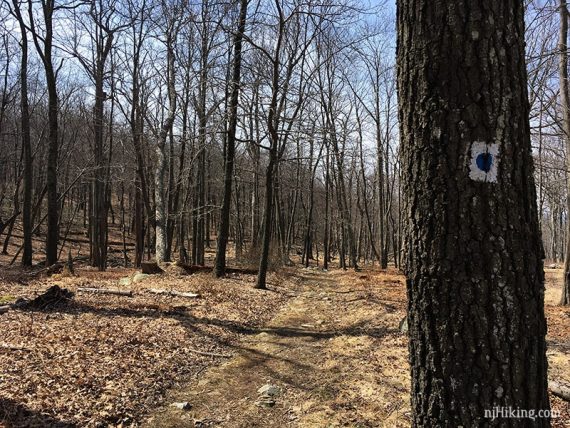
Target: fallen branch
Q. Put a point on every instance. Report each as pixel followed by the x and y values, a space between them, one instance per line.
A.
pixel 14 347
pixel 209 354
pixel 346 291
pixel 152 268
pixel 127 293
pixel 355 299
pixel 560 390
pixel 174 293
pixel 4 225
pixel 191 269
pixel 242 271
pixel 50 270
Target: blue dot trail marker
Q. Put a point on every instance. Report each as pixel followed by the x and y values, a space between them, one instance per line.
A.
pixel 483 161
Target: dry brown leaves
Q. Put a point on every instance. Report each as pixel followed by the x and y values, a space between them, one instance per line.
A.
pixel 105 360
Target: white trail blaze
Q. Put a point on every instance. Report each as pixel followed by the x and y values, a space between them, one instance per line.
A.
pixel 484 161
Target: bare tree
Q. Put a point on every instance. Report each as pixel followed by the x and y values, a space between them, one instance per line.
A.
pixel 293 38
pixel 230 142
pixel 103 23
pixel 26 138
pixel 173 18
pixel 41 21
pixel 565 101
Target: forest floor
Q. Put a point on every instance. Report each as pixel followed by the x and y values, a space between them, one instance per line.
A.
pixel 328 343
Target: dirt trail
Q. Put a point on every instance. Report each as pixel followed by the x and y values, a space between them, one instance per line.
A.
pixel 334 351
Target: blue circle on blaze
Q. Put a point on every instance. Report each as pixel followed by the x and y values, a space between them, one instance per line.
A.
pixel 484 162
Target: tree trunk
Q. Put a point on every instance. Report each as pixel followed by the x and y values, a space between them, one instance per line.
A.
pixel 326 235
pixel 267 220
pixel 345 216
pixel 139 224
pixel 224 229
pixel 565 101
pixel 381 186
pixel 44 47
pixel 98 234
pixel 160 198
pixel 52 237
pixel 26 142
pixel 473 252
pixel 365 198
pixel 160 195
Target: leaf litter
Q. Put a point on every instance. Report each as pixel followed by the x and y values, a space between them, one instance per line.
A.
pixel 103 360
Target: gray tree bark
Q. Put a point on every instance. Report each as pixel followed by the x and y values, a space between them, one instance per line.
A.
pixel 26 140
pixel 565 101
pixel 100 207
pixel 161 155
pixel 224 229
pixel 44 47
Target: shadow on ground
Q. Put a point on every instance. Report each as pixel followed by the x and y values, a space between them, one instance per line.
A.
pixel 13 414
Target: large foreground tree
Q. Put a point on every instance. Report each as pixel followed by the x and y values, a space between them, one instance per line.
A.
pixel 474 256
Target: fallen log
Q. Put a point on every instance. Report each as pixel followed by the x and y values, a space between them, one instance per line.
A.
pixel 19 303
pixel 242 271
pixel 174 293
pixel 57 267
pixel 49 270
pixel 117 292
pixel 9 347
pixel 190 269
pixel 209 354
pixel 560 390
pixel 152 268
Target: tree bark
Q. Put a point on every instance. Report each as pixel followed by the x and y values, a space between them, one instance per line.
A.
pixel 326 234
pixel 473 252
pixel 26 141
pixel 267 220
pixel 565 101
pixel 272 126
pixel 220 264
pixel 98 236
pixel 161 252
pixel 44 45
